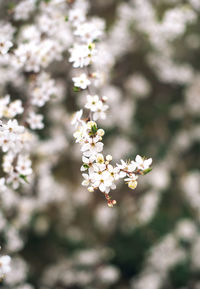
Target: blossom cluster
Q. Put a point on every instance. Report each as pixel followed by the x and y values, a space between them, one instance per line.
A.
pixel 99 173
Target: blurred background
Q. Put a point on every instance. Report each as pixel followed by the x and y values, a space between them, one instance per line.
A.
pixel 61 235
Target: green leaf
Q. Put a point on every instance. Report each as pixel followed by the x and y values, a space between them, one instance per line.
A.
pixel 76 89
pixel 24 178
pixel 66 18
pixel 94 129
pixel 11 6
pixel 85 166
pixel 147 171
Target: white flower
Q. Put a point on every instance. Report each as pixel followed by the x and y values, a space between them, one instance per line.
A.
pixel 14 179
pixel 2 184
pixel 91 147
pixel 126 167
pixel 23 165
pixel 3 105
pixel 6 141
pixel 5 45
pixel 4 265
pixel 81 81
pixel 39 96
pixel 132 181
pixel 81 55
pixel 92 102
pixel 81 134
pixel 88 31
pixel 103 181
pixel 13 127
pixel 76 118
pixel 100 111
pixel 7 162
pixel 23 9
pixel 114 172
pixel 15 108
pixel 87 163
pixel 76 16
pixel 99 168
pixel 35 121
pixel 42 88
pixel 142 164
pixel 86 180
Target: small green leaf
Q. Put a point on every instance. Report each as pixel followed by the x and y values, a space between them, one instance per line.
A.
pixel 66 18
pixel 147 171
pixel 24 178
pixel 94 129
pixel 76 89
pixel 11 6
pixel 85 166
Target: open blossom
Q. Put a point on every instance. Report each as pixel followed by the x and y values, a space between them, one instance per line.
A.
pixel 92 102
pixel 81 81
pixel 10 134
pixel 14 180
pixel 87 163
pixel 2 184
pixel 131 181
pixel 76 118
pixel 92 147
pixel 126 167
pixel 12 126
pixel 15 108
pixel 5 45
pixel 76 16
pixel 4 102
pixel 114 172
pixel 100 113
pixel 4 265
pixel 42 88
pixel 89 31
pixel 96 105
pixel 23 9
pixel 142 163
pixel 35 121
pixel 82 55
pixel 103 181
pixel 24 165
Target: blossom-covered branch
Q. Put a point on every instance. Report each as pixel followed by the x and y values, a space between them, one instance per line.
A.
pixel 98 172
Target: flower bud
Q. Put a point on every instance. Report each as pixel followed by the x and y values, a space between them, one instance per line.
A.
pixel 109 158
pixel 104 98
pixel 100 132
pixel 90 189
pixel 132 184
pixel 100 159
pixel 91 123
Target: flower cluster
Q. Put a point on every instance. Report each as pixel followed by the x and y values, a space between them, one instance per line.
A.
pixel 14 140
pixel 99 173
